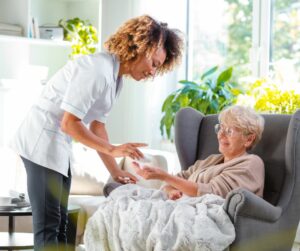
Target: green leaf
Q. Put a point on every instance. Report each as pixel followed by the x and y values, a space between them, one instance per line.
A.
pixel 168 102
pixel 211 83
pixel 189 89
pixel 224 76
pixel 168 124
pixel 175 107
pixel 215 106
pixel 183 100
pixel 162 124
pixel 227 94
pixel 203 105
pixel 185 82
pixel 209 72
pixel 209 94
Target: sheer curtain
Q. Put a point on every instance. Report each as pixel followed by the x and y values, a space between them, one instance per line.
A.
pixel 16 98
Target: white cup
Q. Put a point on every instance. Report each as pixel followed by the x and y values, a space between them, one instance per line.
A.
pixel 5 201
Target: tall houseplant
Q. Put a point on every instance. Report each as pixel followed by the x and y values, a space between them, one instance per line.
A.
pixel 81 34
pixel 209 95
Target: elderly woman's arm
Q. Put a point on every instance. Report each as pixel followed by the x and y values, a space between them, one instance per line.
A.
pixel 246 173
pixel 187 187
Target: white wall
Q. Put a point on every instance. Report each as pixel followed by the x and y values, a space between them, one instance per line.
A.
pixel 14 56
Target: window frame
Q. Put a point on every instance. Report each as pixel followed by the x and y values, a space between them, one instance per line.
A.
pixel 261 38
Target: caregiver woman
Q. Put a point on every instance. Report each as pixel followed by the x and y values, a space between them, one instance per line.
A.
pixel 83 92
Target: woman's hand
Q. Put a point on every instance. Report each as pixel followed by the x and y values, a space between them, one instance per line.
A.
pixel 148 172
pixel 174 194
pixel 129 149
pixel 124 177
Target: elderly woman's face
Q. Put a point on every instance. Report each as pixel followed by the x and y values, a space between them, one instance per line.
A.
pixel 233 141
pixel 144 67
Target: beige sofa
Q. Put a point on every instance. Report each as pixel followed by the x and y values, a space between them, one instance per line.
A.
pixel 88 178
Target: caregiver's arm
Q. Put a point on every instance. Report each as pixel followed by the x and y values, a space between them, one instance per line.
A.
pixel 73 126
pixel 99 129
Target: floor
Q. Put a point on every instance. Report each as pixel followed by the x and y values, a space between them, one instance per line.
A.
pixel 296 247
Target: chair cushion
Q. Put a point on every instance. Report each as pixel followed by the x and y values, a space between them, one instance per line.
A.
pixel 156 161
pixel 89 173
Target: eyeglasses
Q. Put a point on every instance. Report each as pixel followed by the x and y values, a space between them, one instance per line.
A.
pixel 227 131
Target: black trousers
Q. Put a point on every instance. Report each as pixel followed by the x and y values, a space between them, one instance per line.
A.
pixel 48 194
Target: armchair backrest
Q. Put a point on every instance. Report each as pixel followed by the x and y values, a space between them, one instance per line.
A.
pixel 195 139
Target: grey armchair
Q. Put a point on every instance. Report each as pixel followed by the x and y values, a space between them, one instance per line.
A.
pixel 261 224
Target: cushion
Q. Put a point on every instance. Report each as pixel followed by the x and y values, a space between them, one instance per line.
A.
pixel 88 171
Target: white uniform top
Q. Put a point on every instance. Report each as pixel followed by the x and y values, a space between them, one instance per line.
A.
pixel 87 88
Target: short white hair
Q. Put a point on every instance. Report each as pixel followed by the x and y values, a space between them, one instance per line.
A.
pixel 244 118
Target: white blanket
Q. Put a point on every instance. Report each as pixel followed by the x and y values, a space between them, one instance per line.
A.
pixel 138 219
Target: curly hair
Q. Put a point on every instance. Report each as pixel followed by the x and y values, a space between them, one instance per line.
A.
pixel 142 36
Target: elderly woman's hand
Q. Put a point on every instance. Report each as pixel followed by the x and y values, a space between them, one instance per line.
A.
pixel 148 172
pixel 172 192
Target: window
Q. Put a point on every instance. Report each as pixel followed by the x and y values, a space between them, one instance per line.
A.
pixel 220 33
pixel 259 38
pixel 285 42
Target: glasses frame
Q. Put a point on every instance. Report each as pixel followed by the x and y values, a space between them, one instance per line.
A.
pixel 227 131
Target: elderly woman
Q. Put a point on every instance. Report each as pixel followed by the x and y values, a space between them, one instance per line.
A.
pixel 239 130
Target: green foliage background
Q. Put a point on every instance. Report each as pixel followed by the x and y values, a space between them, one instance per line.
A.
pixel 81 34
pixel 285 31
pixel 265 96
pixel 210 94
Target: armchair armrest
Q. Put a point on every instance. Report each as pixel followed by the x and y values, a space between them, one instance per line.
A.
pixel 241 202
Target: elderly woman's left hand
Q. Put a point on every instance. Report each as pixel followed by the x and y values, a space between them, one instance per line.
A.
pixel 148 172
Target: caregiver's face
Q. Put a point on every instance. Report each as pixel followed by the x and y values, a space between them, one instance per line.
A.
pixel 144 67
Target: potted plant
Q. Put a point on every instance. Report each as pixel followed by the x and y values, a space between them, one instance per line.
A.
pixel 81 34
pixel 209 95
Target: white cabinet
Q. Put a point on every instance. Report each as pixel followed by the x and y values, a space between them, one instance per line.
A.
pixel 17 52
pixel 15 12
pixel 20 12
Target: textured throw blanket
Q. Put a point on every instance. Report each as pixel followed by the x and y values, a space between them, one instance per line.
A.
pixel 133 218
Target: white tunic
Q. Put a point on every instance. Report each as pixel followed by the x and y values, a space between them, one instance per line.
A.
pixel 87 88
